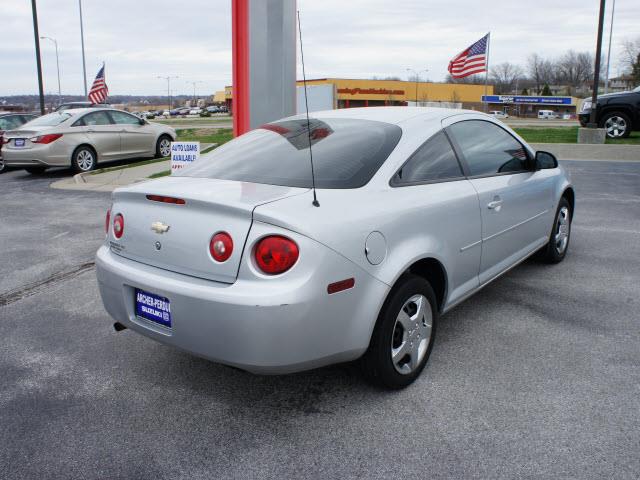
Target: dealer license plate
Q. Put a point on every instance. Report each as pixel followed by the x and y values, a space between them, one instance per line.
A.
pixel 153 307
pixel 18 142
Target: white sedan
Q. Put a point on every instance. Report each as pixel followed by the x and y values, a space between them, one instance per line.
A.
pixel 499 114
pixel 84 137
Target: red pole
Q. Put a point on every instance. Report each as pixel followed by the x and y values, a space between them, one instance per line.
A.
pixel 240 52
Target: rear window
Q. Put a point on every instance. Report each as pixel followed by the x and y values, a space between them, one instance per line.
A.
pixel 50 120
pixel 346 153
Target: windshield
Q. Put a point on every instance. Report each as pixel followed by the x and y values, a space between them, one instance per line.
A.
pixel 50 120
pixel 346 153
pixel 637 89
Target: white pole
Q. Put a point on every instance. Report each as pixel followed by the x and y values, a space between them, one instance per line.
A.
pixel 606 80
pixel 84 65
pixel 486 74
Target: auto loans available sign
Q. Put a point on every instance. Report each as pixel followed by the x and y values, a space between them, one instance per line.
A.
pixel 183 154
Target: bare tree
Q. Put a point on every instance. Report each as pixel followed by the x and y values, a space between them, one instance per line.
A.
pixel 629 53
pixel 575 69
pixel 505 75
pixel 540 71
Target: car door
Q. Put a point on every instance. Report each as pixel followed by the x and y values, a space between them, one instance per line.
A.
pixel 444 209
pixel 514 199
pixel 136 139
pixel 101 133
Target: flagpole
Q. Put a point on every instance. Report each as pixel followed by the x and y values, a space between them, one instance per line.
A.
pixel 486 74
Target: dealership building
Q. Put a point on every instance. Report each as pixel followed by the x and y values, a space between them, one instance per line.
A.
pixel 332 93
pixel 350 93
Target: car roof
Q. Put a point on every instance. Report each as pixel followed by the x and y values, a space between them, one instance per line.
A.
pixel 393 115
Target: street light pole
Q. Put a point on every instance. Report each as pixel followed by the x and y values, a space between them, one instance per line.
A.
pixel 57 67
pixel 606 80
pixel 596 74
pixel 168 79
pixel 417 74
pixel 84 65
pixel 194 89
pixel 34 12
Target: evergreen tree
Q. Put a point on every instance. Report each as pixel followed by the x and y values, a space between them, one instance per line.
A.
pixel 524 92
pixel 546 91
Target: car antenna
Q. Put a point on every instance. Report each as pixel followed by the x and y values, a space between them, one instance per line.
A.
pixel 306 105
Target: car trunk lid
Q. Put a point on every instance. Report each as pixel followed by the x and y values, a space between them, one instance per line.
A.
pixel 176 236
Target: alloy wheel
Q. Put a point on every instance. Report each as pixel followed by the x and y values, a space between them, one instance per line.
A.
pixel 165 147
pixel 561 237
pixel 615 126
pixel 411 334
pixel 85 160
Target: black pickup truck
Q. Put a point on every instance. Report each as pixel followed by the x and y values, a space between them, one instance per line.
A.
pixel 618 113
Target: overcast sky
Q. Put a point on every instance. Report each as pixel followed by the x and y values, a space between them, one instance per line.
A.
pixel 141 39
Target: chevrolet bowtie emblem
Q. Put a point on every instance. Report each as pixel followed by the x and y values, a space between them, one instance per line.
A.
pixel 160 227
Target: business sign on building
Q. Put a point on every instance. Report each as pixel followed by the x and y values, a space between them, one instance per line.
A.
pixel 183 154
pixel 526 100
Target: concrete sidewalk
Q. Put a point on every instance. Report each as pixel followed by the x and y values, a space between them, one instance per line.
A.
pixel 110 178
pixel 596 153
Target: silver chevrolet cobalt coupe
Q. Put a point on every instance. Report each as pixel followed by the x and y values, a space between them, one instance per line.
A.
pixel 417 209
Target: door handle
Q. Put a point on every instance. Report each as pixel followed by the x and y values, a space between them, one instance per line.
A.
pixel 90 130
pixel 495 205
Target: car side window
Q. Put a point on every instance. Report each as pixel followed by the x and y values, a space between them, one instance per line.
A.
pixel 433 161
pixel 488 149
pixel 122 118
pixel 96 118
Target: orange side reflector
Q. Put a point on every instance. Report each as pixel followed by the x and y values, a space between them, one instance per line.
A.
pixel 341 285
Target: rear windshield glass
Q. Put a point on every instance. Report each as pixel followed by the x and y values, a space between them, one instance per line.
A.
pixel 50 120
pixel 346 153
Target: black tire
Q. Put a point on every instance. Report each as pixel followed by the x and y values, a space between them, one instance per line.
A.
pixel 160 146
pixel 84 159
pixel 377 364
pixel 2 167
pixel 620 126
pixel 551 253
pixel 36 170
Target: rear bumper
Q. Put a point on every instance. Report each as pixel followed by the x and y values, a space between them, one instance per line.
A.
pixel 268 325
pixel 34 157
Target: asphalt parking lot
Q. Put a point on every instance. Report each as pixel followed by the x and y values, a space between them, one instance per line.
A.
pixel 537 376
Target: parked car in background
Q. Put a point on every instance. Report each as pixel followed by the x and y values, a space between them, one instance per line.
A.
pixel 82 138
pixel 213 109
pixel 546 114
pixel 617 113
pixel 418 208
pixel 74 105
pixel 195 111
pixel 183 111
pixel 499 114
pixel 9 121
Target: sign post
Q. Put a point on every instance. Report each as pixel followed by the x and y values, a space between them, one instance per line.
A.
pixel 183 154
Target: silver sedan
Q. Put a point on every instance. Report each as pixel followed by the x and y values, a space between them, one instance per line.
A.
pixel 238 259
pixel 82 138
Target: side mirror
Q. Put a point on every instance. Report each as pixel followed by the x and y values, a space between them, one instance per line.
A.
pixel 545 160
pixel 142 121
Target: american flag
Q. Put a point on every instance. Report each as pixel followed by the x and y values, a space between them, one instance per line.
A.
pixel 471 60
pixel 99 90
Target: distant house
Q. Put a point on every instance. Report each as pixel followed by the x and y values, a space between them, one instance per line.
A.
pixel 622 83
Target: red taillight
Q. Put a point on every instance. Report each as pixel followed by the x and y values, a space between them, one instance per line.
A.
pixel 46 139
pixel 107 220
pixel 118 225
pixel 160 198
pixel 221 246
pixel 276 254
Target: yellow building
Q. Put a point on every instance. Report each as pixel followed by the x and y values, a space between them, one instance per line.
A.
pixel 351 93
